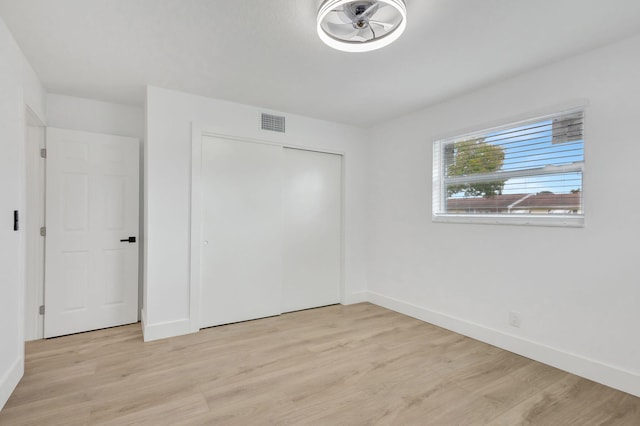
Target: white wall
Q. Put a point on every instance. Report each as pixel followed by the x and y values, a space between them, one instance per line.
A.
pixel 578 290
pixel 167 202
pixel 68 112
pixel 19 86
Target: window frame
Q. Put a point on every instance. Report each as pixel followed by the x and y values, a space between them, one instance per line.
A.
pixel 439 193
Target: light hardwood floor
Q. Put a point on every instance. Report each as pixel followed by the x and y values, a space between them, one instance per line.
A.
pixel 339 365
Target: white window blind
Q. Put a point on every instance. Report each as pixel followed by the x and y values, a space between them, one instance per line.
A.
pixel 529 172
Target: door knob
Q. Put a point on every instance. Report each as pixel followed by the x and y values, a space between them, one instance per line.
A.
pixel 129 240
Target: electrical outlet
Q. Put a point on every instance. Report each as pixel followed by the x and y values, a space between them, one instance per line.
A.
pixel 514 319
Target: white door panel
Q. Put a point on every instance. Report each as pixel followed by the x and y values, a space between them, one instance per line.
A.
pixel 312 225
pixel 91 278
pixel 241 253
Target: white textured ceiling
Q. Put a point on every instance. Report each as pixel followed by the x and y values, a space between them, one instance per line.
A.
pixel 266 52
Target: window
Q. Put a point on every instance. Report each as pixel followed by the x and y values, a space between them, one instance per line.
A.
pixel 528 172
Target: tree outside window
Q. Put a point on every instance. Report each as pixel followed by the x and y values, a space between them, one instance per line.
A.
pixel 474 157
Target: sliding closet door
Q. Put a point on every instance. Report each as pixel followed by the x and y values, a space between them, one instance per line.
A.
pixel 241 252
pixel 312 224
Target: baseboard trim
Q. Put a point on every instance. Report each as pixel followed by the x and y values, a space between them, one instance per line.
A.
pixel 605 374
pixel 10 380
pixel 164 330
pixel 357 297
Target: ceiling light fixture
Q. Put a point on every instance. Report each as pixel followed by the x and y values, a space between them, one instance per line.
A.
pixel 359 25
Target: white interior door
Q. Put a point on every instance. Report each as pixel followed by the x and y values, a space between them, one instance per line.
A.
pixel 313 230
pixel 91 278
pixel 241 252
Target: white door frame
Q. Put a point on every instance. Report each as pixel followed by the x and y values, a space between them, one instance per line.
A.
pixel 197 133
pixel 34 219
pixel 34 254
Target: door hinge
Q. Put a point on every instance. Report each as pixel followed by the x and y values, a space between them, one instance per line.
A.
pixel 43 231
pixel 43 152
pixel 41 310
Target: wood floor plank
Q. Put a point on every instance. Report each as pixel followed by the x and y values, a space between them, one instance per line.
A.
pixel 338 365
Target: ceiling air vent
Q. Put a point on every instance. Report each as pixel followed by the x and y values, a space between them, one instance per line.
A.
pixel 274 123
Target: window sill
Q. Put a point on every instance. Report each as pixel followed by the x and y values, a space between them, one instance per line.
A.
pixel 566 221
